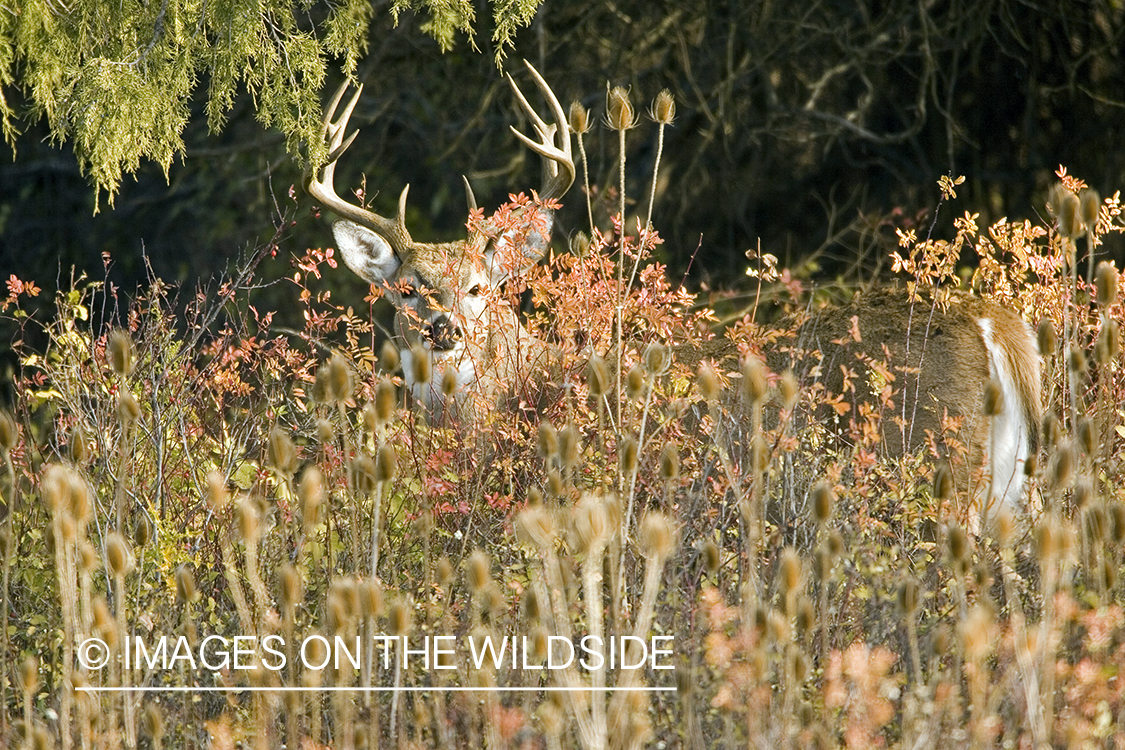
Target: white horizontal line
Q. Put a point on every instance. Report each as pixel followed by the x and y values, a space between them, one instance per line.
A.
pixel 408 689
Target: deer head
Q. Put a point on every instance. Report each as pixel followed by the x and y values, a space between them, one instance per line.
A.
pixel 446 295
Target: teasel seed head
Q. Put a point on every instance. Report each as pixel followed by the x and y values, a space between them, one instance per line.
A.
pixel 29 675
pixel 388 358
pixel 1117 522
pixel 1109 573
pixel 657 359
pixel 448 382
pixel 708 383
pixel 806 616
pixel 789 389
pixel 104 623
pixel 908 596
pixel 281 452
pixel 554 483
pixel 337 611
pixel 1062 465
pixel 325 431
pixel 399 617
pixel 627 455
pixel 823 500
pixel 537 527
pixel 153 723
pixel 118 555
pixel 619 110
pixel 249 522
pixel 579 118
pixel 364 474
pixel 1049 433
pixel 142 529
pixel 712 556
pixel 128 410
pixel 1108 346
pixel 1105 284
pixel 478 568
pixel 310 492
pixel 217 495
pixel 1045 336
pixel 958 543
pixel 339 385
pixel 1090 205
pixel 753 380
pixel 185 584
pixel 1070 218
pixel 386 463
pixel 836 546
pixel 1076 361
pixel 579 244
pixel 664 107
pixel 9 432
pixel 548 441
pixel 120 354
pixel 88 559
pixel 1083 492
pixel 386 397
pixel 993 399
pixel 1047 539
pixel 657 537
pixel 371 598
pixel 597 376
pixel 1096 524
pixel 669 462
pixel 77 446
pixel 444 570
pixel 420 365
pixel 591 524
pixel 292 588
pixel 569 445
pixel 789 570
pixel 534 498
pixel 635 383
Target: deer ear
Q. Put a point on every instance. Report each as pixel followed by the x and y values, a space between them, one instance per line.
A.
pixel 520 248
pixel 365 252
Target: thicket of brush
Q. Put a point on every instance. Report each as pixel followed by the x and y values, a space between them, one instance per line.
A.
pixel 171 476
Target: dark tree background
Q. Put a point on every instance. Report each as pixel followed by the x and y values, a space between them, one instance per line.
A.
pixel 807 128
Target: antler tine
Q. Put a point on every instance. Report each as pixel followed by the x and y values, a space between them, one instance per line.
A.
pixel 319 183
pixel 559 164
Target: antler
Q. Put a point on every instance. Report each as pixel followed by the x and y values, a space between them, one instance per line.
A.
pixel 558 162
pixel 318 183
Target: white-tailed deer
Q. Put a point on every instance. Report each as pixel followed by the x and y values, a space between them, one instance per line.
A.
pixel 445 296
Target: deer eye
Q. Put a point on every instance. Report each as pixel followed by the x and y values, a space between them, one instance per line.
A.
pixel 475 291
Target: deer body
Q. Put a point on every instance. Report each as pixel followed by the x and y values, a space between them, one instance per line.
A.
pixel 479 353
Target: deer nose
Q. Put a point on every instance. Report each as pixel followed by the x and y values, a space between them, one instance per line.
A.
pixel 442 333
